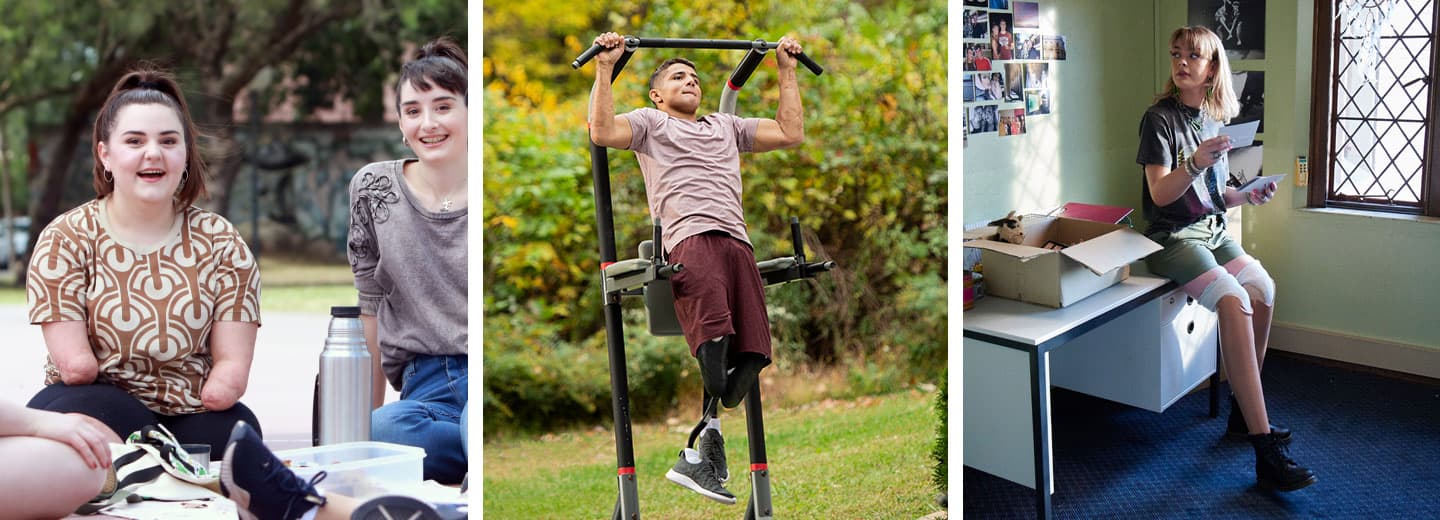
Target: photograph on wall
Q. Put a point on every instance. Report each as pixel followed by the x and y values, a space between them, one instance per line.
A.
pixel 977 24
pixel 964 128
pixel 1250 90
pixel 989 86
pixel 977 56
pixel 1037 101
pixel 969 88
pixel 1002 36
pixel 1053 47
pixel 1027 15
pixel 1003 5
pixel 1012 122
pixel 1240 24
pixel 982 119
pixel 1027 45
pixel 1014 87
pixel 977 3
pixel 1037 75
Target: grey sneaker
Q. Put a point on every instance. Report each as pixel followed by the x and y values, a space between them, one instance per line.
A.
pixel 712 449
pixel 700 478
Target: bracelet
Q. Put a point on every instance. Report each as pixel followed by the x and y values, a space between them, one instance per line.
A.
pixel 1193 169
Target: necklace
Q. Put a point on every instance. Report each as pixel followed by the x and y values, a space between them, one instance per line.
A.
pixel 445 203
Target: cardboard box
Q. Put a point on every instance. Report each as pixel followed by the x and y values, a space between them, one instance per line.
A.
pixel 1095 256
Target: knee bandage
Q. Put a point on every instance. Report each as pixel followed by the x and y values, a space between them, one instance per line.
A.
pixel 1258 283
pixel 1225 285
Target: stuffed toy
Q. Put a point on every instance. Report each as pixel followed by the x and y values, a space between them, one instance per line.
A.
pixel 1010 229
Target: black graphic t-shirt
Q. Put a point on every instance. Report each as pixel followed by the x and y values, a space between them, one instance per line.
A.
pixel 1169 133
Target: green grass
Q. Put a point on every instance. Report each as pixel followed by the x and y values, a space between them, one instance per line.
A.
pixel 289 285
pixel 867 458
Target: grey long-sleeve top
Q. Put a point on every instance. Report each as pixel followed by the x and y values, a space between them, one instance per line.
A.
pixel 410 268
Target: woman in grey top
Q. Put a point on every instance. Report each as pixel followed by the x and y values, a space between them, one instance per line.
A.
pixel 1183 157
pixel 407 248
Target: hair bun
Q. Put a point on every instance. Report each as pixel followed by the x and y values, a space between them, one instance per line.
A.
pixel 443 47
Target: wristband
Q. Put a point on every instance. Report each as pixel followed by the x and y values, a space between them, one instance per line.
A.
pixel 1193 169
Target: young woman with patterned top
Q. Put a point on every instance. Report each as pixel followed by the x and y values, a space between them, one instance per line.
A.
pixel 148 305
pixel 1185 198
pixel 407 249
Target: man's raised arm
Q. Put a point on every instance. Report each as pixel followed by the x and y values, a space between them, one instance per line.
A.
pixel 788 128
pixel 607 129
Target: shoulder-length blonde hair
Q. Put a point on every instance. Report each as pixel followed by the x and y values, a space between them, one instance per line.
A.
pixel 1221 103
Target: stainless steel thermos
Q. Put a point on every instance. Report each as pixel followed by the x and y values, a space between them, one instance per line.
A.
pixel 342 408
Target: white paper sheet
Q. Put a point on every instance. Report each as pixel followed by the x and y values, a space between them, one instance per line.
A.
pixel 1242 134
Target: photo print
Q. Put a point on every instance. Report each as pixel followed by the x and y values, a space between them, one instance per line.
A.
pixel 1003 5
pixel 977 56
pixel 1037 102
pixel 1014 88
pixel 977 23
pixel 989 86
pixel 1053 47
pixel 977 3
pixel 1002 36
pixel 1027 15
pixel 1012 122
pixel 1240 24
pixel 1037 75
pixel 1027 45
pixel 982 119
pixel 1250 90
pixel 969 89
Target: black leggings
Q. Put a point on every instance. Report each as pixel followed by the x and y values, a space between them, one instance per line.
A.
pixel 125 414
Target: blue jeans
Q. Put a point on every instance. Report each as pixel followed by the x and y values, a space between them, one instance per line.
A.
pixel 431 414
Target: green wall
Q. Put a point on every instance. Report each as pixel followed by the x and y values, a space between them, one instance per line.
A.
pixel 1085 150
pixel 1355 275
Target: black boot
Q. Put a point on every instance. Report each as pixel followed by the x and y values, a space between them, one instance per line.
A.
pixel 1274 469
pixel 712 356
pixel 1236 429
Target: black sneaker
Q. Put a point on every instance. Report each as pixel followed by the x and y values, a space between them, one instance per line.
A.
pixel 700 478
pixel 1238 431
pixel 394 507
pixel 712 449
pixel 712 357
pixel 742 378
pixel 261 486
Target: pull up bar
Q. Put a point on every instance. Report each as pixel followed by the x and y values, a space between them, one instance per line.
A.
pixel 633 42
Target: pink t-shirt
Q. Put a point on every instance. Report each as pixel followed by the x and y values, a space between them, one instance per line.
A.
pixel 692 171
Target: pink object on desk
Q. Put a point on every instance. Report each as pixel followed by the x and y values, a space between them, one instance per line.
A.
pixel 1095 212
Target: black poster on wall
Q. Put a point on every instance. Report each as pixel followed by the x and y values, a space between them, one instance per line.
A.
pixel 1239 23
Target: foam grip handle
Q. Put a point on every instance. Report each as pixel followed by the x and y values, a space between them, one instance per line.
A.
pixel 810 64
pixel 588 54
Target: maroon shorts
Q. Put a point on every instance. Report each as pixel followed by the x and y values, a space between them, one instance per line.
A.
pixel 720 293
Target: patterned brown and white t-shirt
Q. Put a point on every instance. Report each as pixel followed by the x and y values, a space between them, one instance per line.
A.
pixel 148 310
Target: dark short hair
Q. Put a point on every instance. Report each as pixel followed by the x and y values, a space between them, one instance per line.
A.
pixel 439 63
pixel 149 85
pixel 665 65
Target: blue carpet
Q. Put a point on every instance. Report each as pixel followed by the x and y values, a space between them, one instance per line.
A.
pixel 1372 440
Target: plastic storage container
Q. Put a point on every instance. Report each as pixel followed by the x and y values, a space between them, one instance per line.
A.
pixel 358 469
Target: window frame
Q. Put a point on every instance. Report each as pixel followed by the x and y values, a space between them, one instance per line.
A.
pixel 1325 59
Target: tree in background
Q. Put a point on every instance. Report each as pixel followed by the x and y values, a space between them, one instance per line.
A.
pixel 869 186
pixel 66 58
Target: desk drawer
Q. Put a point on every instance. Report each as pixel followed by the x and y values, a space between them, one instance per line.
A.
pixel 1148 358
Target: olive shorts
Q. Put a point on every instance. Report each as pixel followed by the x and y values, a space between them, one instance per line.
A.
pixel 1193 250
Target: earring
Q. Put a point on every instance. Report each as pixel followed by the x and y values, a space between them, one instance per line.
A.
pixel 184 176
pixel 109 177
pixel 404 141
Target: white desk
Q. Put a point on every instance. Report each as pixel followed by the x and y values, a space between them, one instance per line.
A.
pixel 1007 370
